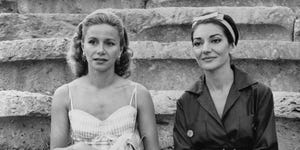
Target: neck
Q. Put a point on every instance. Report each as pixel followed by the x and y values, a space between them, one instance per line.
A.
pixel 219 79
pixel 101 79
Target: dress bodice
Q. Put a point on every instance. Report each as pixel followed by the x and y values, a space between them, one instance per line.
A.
pixel 117 131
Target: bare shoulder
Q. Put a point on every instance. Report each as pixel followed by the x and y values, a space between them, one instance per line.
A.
pixel 143 95
pixel 141 89
pixel 60 96
pixel 62 90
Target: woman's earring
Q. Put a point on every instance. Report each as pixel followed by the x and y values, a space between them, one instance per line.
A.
pixel 119 58
pixel 194 55
pixel 83 56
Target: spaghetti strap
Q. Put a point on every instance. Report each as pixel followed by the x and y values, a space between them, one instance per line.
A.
pixel 133 97
pixel 70 97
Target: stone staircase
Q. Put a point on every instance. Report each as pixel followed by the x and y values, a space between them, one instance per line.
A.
pixel 34 36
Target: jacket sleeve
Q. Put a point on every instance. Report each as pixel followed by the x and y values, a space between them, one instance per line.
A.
pixel 181 140
pixel 265 138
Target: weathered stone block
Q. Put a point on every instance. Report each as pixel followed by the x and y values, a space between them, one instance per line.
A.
pixel 287 104
pixel 157 24
pixel 8 6
pixel 161 66
pixel 26 26
pixel 24 133
pixel 209 3
pixel 297 29
pixel 180 74
pixel 74 6
pixel 34 76
pixel 56 48
pixel 33 49
pixel 16 103
pixel 246 49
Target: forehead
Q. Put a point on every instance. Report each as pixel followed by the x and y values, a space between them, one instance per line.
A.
pixel 206 30
pixel 102 30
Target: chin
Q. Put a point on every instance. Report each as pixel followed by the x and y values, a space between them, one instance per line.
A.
pixel 210 66
pixel 100 68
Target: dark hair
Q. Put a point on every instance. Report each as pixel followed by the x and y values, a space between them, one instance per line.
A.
pixel 225 29
pixel 75 58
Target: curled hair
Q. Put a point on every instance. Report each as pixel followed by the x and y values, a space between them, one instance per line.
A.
pixel 226 31
pixel 75 58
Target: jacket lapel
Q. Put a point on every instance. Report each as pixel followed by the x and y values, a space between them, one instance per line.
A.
pixel 206 102
pixel 204 98
pixel 241 81
pixel 232 97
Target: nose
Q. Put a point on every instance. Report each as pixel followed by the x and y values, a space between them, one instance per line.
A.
pixel 101 48
pixel 206 48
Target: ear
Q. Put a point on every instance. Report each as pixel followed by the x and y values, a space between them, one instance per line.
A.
pixel 82 44
pixel 231 46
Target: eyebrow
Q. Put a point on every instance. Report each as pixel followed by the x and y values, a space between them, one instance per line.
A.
pixel 93 37
pixel 198 38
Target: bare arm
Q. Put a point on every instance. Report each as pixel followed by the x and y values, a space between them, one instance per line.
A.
pixel 60 127
pixel 146 119
pixel 59 119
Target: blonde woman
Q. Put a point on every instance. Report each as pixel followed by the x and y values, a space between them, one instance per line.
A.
pixel 101 109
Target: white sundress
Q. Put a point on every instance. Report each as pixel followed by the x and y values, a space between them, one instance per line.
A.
pixel 117 132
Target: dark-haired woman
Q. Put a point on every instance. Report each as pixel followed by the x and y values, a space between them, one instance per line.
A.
pixel 225 109
pixel 101 109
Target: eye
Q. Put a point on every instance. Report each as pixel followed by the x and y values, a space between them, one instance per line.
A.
pixel 197 43
pixel 92 42
pixel 216 40
pixel 110 43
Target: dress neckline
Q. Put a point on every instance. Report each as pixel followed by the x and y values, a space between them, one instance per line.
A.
pixel 107 118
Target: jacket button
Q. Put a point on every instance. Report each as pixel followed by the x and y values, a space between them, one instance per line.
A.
pixel 190 133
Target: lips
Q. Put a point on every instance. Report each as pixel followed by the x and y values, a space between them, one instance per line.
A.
pixel 208 58
pixel 100 60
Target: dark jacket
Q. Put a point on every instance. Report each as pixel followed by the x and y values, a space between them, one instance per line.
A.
pixel 247 121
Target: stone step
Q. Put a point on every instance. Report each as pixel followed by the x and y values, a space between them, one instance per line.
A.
pixel 38 65
pixel 33 133
pixel 293 4
pixel 65 6
pixel 210 3
pixel 78 6
pixel 297 29
pixel 18 103
pixel 56 48
pixel 25 117
pixel 156 24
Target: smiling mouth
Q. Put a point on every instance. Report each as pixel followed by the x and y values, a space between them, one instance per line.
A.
pixel 100 60
pixel 208 58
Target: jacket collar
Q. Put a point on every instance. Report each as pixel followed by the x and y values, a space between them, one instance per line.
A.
pixel 241 81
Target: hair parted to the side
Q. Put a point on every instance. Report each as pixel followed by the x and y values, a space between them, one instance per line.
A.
pixel 75 58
